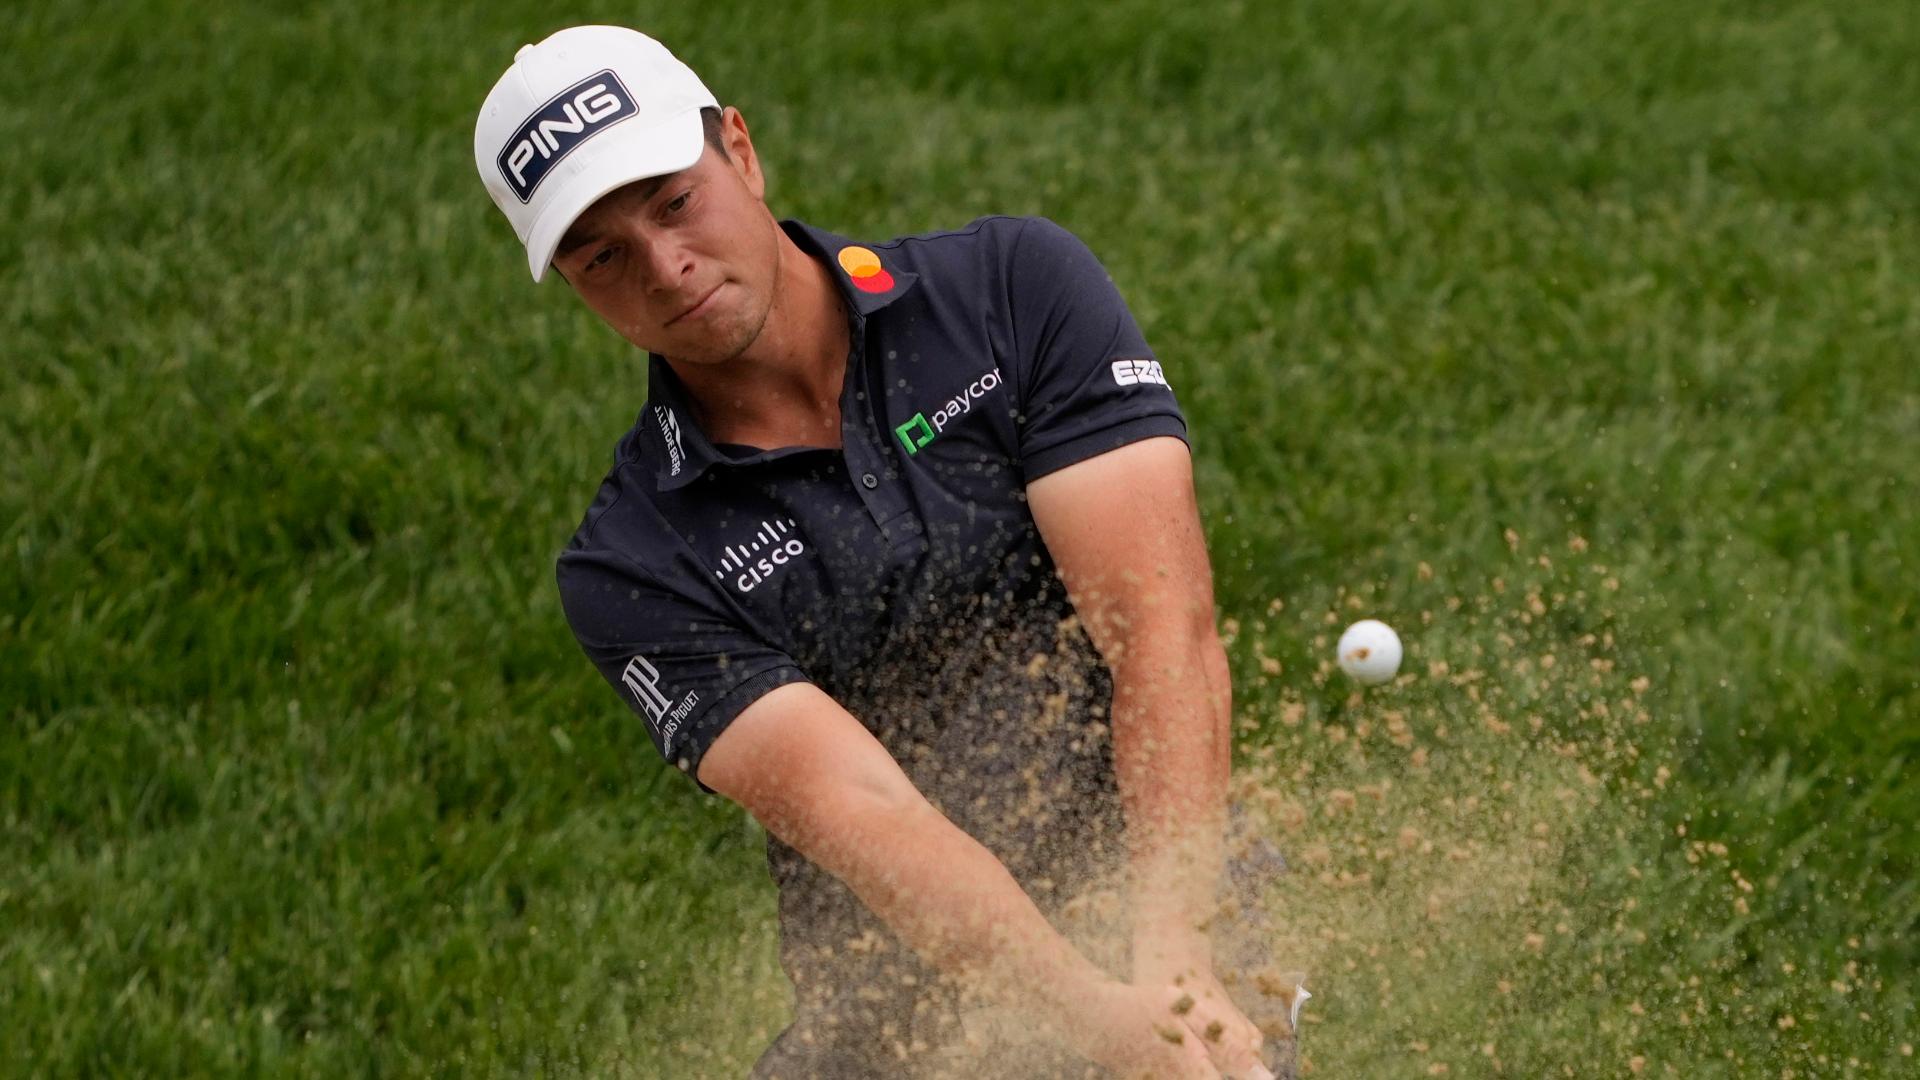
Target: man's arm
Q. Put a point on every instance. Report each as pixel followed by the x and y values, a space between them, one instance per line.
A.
pixel 1124 532
pixel 817 779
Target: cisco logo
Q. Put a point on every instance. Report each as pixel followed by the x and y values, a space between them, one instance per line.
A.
pixel 773 546
pixel 575 115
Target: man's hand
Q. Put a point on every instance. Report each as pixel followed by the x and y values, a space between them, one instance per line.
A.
pixel 1178 961
pixel 1134 1033
pixel 1233 1043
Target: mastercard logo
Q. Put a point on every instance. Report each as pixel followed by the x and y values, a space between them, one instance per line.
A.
pixel 863 266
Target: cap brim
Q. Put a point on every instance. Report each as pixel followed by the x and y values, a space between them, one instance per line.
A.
pixel 620 156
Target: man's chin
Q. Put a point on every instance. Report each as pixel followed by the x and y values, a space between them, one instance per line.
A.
pixel 723 337
pixel 711 349
pixel 734 340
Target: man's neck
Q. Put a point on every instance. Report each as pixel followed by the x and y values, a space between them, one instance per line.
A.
pixel 784 390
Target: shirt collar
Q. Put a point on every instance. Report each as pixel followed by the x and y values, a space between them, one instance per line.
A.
pixel 683 450
pixel 866 281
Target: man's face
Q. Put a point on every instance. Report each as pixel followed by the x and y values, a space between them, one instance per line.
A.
pixel 685 264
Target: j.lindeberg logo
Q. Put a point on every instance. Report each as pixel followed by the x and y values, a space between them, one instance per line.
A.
pixel 557 128
pixel 773 546
pixel 670 432
pixel 643 680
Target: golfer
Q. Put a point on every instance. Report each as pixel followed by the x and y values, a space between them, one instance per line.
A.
pixel 902 555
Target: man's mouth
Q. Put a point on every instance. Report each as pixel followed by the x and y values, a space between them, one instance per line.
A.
pixel 698 306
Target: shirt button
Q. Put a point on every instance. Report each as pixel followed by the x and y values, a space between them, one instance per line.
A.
pixel 870 480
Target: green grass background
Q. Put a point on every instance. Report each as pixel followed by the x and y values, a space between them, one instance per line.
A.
pixel 302 774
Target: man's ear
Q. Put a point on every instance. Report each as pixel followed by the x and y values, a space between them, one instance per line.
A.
pixel 740 153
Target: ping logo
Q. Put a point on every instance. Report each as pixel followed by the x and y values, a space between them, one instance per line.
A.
pixel 773 546
pixel 643 680
pixel 1135 372
pixel 916 433
pixel 575 115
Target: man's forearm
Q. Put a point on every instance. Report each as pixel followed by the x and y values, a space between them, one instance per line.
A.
pixel 949 898
pixel 1124 530
pixel 816 778
pixel 1172 754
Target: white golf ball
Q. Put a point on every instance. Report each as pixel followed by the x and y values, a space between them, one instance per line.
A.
pixel 1370 652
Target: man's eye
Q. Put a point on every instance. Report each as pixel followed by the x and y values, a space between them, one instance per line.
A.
pixel 601 259
pixel 679 202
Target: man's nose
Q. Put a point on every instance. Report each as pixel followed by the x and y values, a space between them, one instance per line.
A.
pixel 667 263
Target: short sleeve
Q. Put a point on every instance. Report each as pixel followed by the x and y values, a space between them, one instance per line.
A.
pixel 1088 383
pixel 681 662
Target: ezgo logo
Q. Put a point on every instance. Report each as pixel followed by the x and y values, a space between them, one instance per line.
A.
pixel 1135 372
pixel 919 431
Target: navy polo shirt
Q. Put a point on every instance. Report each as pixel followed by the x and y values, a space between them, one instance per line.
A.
pixel 902 572
pixel 704 576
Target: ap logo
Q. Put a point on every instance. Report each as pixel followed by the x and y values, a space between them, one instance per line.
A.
pixel 643 681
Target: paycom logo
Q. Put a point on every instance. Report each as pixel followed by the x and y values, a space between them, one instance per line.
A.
pixel 916 433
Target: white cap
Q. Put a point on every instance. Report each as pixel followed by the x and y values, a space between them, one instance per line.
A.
pixel 588 110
